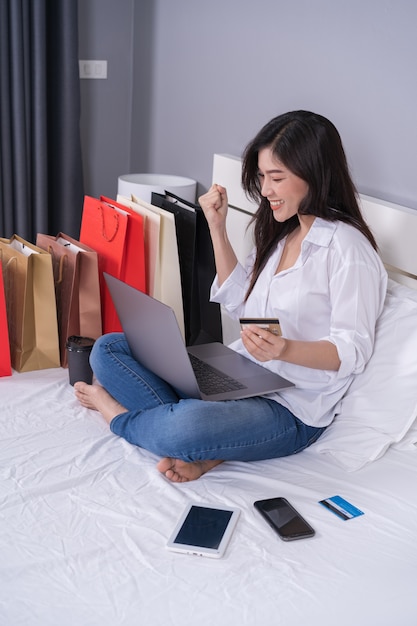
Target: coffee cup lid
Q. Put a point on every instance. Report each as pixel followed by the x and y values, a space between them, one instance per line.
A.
pixel 79 344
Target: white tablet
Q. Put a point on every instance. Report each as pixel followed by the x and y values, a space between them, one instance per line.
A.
pixel 204 530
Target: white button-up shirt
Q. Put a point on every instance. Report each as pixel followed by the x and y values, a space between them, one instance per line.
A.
pixel 335 291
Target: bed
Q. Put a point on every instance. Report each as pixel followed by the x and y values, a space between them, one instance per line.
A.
pixel 84 516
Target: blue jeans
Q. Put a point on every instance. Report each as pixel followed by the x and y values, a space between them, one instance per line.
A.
pixel 160 421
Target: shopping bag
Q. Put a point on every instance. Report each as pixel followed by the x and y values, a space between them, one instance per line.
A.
pixel 152 227
pixel 167 287
pixel 117 236
pixel 5 363
pixel 31 307
pixel 202 317
pixel 77 288
pixel 185 226
pixel 134 247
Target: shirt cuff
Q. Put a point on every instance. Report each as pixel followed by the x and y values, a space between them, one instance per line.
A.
pixel 231 289
pixel 348 357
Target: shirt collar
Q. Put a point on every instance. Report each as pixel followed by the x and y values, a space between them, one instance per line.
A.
pixel 321 232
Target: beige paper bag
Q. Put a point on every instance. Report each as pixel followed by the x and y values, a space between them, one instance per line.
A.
pixel 167 283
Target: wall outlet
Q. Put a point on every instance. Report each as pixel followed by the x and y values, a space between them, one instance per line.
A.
pixel 93 69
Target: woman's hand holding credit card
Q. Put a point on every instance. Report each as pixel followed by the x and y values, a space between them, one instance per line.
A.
pixel 262 338
pixel 269 323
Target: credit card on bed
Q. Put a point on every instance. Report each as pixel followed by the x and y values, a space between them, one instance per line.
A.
pixel 270 323
pixel 341 507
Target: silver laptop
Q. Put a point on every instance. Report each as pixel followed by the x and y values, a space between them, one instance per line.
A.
pixel 208 371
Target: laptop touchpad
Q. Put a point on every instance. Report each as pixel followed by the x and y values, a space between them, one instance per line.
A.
pixel 232 366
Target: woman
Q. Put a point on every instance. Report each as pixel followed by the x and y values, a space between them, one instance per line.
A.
pixel 314 266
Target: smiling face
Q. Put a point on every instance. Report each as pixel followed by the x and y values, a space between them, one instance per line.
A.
pixel 283 189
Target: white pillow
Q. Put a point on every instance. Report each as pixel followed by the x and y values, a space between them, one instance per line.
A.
pixel 380 406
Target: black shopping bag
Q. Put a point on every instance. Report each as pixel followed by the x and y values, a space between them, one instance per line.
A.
pixel 202 318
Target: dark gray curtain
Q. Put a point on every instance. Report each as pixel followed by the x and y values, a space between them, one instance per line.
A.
pixel 41 186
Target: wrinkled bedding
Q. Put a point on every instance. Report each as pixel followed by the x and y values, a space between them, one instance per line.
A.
pixel 84 518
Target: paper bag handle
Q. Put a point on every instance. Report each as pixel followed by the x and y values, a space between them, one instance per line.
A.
pixel 62 260
pixel 103 225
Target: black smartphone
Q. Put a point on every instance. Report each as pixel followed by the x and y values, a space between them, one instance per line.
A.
pixel 284 519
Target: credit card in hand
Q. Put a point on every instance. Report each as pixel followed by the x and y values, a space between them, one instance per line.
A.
pixel 269 323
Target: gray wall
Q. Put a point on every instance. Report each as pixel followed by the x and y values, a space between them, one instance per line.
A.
pixel 106 32
pixel 188 78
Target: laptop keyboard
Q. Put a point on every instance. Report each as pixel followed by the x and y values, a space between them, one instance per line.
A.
pixel 210 380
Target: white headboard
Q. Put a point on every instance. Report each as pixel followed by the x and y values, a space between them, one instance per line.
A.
pixel 394 228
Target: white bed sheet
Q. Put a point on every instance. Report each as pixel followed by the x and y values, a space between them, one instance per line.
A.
pixel 84 517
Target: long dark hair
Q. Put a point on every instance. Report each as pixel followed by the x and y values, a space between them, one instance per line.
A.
pixel 310 146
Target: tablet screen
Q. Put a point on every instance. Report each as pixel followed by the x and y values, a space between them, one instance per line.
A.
pixel 203 527
pixel 204 530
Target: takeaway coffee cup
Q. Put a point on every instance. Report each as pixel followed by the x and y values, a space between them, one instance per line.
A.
pixel 78 355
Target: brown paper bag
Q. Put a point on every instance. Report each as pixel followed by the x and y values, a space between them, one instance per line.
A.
pixel 31 308
pixel 77 288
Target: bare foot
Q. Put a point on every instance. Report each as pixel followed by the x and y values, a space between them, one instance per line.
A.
pixel 181 471
pixel 97 398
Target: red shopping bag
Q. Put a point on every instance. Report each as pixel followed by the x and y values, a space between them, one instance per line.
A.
pixel 134 246
pixel 5 362
pixel 117 236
